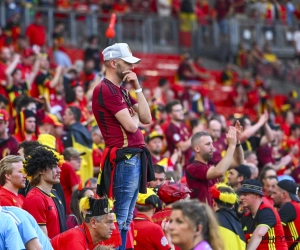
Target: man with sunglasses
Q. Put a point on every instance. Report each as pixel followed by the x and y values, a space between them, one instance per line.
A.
pixel 118 116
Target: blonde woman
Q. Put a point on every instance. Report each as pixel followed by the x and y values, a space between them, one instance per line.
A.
pixel 193 226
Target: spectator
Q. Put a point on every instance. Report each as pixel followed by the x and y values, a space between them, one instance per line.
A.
pixel 122 114
pixel 92 52
pixel 251 157
pixel 5 59
pixel 91 184
pixel 121 7
pixel 224 10
pixel 36 32
pixel 224 198
pixel 12 177
pixel 160 177
pixel 268 188
pixel 285 196
pixel 75 218
pixel 60 56
pixel 263 221
pixel 201 181
pixel 68 178
pixel 8 144
pixel 42 166
pixel 78 137
pixel 237 175
pixel 219 142
pixel 26 126
pixel 148 235
pixel 12 28
pixel 177 133
pixel 155 145
pixel 10 237
pixel 193 224
pixel 98 226
pixel 160 90
pixel 32 235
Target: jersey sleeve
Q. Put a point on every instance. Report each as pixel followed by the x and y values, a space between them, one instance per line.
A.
pixel 287 213
pixel 266 217
pixel 113 102
pixel 37 208
pixel 12 237
pixel 159 240
pixel 27 233
pixel 198 173
pixel 172 135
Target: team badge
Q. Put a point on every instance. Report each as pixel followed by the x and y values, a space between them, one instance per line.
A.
pixel 176 137
pixel 164 241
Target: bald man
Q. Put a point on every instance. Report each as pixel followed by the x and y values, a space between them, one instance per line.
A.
pixel 219 142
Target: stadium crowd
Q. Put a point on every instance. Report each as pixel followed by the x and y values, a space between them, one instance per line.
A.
pixel 72 136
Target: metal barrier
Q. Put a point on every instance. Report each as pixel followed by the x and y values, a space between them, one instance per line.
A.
pixel 153 34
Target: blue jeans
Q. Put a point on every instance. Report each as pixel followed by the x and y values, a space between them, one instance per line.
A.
pixel 126 188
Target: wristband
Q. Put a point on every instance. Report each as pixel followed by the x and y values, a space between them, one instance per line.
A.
pixel 237 145
pixel 138 90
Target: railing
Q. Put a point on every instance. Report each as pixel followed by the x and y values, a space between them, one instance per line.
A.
pixel 153 34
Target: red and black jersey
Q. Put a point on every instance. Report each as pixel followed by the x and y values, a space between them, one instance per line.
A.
pixel 290 219
pixel 8 146
pixel 13 92
pixel 266 215
pixel 41 86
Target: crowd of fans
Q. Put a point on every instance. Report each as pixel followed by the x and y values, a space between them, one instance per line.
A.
pixel 46 113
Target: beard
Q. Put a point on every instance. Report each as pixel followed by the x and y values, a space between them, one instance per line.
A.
pixel 207 156
pixel 119 72
pixel 156 152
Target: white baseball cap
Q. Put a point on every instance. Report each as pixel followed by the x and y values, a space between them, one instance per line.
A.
pixel 120 50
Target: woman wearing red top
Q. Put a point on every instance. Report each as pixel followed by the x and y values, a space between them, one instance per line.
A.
pixel 75 97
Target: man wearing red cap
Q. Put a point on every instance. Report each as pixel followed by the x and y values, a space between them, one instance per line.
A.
pixel 36 32
pixel 8 143
pixel 148 235
pixel 169 193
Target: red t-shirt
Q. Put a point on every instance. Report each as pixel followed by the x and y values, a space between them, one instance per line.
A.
pixel 148 235
pixel 107 101
pixel 196 180
pixel 8 198
pixel 36 34
pixel 78 238
pixel 175 135
pixel 68 179
pixel 42 207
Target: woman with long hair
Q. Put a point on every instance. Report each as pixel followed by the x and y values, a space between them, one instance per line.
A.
pixel 193 226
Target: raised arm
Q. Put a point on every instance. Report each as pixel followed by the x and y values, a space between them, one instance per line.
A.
pixel 56 77
pixel 238 157
pixel 221 168
pixel 12 66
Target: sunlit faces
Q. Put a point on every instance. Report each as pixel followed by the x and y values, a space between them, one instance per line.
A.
pixel 3 127
pixel 121 66
pixel 155 146
pixel 51 175
pixel 68 117
pixel 233 178
pixel 177 113
pixel 247 199
pixel 215 129
pixel 277 196
pixel 75 161
pixel 205 148
pixel 181 229
pixel 79 93
pixel 30 124
pixel 105 227
pixel 269 185
pixel 17 178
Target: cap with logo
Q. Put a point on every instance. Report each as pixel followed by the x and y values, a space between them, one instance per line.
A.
pixel 170 192
pixel 3 115
pixel 120 51
pixel 251 186
pixel 291 187
pixel 52 119
pixel 71 152
pixel 150 198
pixel 154 134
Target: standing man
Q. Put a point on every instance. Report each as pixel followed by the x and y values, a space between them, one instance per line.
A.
pixel 12 177
pixel 202 173
pixel 261 226
pixel 177 134
pixel 42 166
pixel 286 199
pixel 118 116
